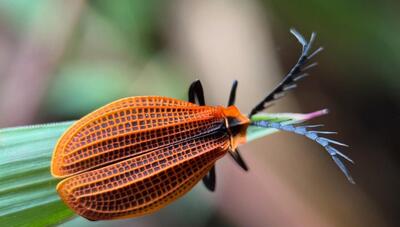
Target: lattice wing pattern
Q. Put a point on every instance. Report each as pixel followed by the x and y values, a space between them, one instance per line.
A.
pixel 129 127
pixel 144 183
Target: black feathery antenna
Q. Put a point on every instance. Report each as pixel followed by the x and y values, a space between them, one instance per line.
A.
pixel 314 135
pixel 296 73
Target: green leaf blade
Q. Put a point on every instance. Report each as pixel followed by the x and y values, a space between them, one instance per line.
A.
pixel 28 194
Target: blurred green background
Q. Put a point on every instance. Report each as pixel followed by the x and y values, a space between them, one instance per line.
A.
pixel 59 60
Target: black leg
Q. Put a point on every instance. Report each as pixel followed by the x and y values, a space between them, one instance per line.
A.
pixel 209 180
pixel 232 95
pixel 295 74
pixel 236 154
pixel 196 92
pixel 239 160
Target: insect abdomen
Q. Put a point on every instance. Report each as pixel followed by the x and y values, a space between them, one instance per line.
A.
pixel 129 127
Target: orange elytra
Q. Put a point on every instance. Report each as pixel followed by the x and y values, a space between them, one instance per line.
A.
pixel 138 154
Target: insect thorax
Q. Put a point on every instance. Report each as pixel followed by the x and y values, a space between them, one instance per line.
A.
pixel 236 124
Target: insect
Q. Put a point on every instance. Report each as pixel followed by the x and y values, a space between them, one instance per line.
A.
pixel 139 154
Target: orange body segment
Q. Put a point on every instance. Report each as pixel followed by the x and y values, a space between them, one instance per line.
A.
pixel 138 154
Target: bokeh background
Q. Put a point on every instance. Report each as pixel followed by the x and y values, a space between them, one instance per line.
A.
pixel 59 60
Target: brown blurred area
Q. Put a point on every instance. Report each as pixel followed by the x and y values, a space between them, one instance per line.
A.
pixel 61 59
